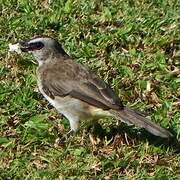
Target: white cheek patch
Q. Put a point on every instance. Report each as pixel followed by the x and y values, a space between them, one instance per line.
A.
pixel 15 48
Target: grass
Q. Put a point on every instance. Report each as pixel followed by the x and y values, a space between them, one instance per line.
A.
pixel 133 45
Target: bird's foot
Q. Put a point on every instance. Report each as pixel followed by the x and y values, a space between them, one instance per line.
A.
pixel 60 141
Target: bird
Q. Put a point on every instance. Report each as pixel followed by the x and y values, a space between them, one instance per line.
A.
pixel 77 92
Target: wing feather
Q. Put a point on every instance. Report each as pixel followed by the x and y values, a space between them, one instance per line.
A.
pixel 71 79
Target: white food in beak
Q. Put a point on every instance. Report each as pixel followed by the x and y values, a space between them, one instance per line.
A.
pixel 15 48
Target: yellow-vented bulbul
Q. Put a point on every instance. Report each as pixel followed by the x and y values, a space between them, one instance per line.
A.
pixel 78 93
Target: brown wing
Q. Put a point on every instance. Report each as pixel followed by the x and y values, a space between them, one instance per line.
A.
pixel 68 78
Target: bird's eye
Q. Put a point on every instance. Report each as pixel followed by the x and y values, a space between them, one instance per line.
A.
pixel 27 46
pixel 35 46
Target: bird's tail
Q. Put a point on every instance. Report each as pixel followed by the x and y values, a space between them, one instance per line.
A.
pixel 136 118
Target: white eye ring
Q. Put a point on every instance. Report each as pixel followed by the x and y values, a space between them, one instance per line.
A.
pixel 15 48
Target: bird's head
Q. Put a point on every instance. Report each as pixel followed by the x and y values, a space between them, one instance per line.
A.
pixel 42 47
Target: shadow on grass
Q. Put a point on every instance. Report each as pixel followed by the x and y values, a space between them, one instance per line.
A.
pixel 137 135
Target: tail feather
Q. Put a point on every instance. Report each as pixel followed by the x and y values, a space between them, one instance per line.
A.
pixel 134 117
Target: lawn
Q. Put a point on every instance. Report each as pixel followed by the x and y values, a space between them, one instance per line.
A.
pixel 132 45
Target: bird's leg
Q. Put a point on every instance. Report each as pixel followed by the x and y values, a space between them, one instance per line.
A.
pixel 74 124
pixel 68 134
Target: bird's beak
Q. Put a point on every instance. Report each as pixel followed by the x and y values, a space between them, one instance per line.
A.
pixel 25 46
